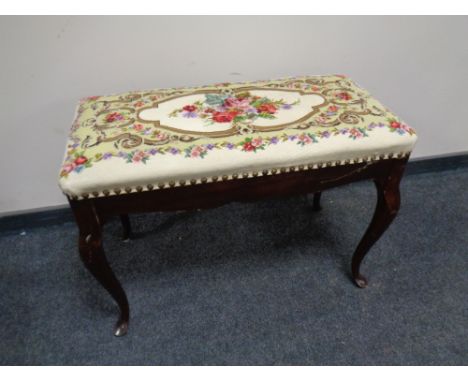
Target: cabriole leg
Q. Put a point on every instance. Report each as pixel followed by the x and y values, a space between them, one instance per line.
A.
pixel 388 204
pixel 127 228
pixel 316 206
pixel 94 259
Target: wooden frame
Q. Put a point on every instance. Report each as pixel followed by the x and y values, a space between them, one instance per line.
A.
pixel 91 214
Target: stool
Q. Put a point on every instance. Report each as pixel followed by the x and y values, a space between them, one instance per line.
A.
pixel 194 148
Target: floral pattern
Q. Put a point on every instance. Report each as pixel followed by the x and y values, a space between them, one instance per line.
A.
pixel 230 107
pixel 106 127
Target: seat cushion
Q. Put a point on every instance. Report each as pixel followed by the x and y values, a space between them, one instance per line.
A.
pixel 146 140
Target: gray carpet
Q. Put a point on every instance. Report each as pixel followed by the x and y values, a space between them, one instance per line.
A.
pixel 252 284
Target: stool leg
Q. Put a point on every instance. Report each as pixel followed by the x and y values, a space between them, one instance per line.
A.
pixel 388 204
pixel 316 206
pixel 93 257
pixel 127 228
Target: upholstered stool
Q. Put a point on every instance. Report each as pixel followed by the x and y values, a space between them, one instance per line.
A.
pixel 191 148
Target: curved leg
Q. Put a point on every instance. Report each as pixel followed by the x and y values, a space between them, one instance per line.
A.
pixel 316 206
pixel 127 228
pixel 388 203
pixel 94 259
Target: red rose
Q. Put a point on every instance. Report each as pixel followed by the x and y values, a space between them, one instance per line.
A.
pixel 267 108
pixel 332 108
pixel 344 95
pixel 248 146
pixel 189 108
pixel 80 160
pixel 223 117
pixel 395 125
pixel 111 117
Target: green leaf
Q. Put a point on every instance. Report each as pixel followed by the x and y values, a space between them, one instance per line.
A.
pixel 239 118
pixel 260 101
pixel 266 115
pixel 215 99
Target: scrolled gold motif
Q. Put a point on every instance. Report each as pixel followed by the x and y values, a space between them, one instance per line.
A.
pixel 351 117
pixel 186 138
pixel 126 140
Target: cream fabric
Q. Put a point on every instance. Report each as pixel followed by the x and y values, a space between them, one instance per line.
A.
pixel 161 138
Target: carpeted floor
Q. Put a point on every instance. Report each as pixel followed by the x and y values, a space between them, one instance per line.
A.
pixel 252 284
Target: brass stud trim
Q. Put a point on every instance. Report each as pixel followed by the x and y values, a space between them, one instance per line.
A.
pixel 256 173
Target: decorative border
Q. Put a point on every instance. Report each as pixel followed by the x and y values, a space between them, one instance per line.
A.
pixel 234 176
pixel 78 161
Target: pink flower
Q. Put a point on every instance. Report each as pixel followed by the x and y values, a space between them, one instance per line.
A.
pixel 115 116
pixel 305 138
pixel 138 156
pixel 138 126
pixel 161 136
pixel 69 167
pixel 237 103
pixel 344 96
pixel 257 142
pixel 197 151
pixel 355 133
pixel 321 119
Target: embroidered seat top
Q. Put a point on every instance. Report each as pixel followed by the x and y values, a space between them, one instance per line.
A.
pixel 146 140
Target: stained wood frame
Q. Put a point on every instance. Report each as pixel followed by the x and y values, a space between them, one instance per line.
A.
pixel 92 213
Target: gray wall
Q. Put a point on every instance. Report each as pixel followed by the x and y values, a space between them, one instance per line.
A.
pixel 418 66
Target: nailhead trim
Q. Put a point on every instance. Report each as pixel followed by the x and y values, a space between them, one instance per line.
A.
pixel 253 174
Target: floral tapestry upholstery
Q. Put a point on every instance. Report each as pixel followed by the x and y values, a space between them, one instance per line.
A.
pixel 175 137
